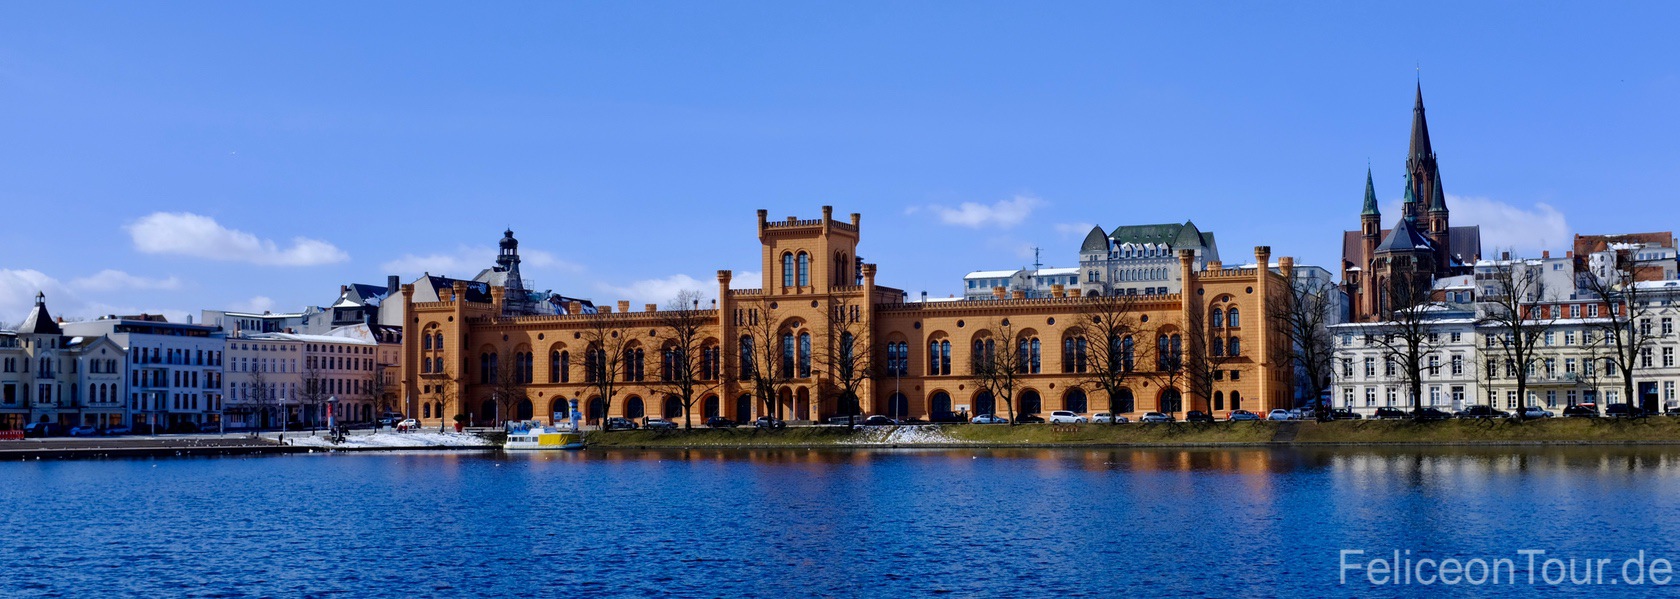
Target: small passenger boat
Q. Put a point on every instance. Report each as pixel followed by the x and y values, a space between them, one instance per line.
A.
pixel 537 437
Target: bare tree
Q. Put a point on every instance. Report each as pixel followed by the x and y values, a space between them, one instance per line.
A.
pixel 1206 356
pixel 1408 333
pixel 1507 314
pixel 258 395
pixel 760 350
pixel 1171 367
pixel 1107 348
pixel 446 394
pixel 848 354
pixel 1303 316
pixel 508 386
pixel 997 364
pixel 603 358
pixel 314 392
pixel 682 359
pixel 1624 317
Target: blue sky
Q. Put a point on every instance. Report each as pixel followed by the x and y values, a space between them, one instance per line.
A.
pixel 173 157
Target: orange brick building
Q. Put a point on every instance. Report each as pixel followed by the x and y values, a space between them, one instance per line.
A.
pixel 920 354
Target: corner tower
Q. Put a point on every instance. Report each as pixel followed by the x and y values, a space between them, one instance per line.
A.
pixel 809 256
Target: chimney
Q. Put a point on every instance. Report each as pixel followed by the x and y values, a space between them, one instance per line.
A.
pixel 1017 294
pixel 1058 290
pixel 603 309
pixel 1546 254
pixel 574 307
pixel 1073 292
pixel 392 283
pixel 1504 255
pixel 828 213
pixel 1569 254
pixel 650 307
pixel 999 292
pixel 343 289
pixel 623 306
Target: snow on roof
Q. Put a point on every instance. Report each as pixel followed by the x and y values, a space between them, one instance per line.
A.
pixel 312 338
pixel 990 274
pixel 1058 271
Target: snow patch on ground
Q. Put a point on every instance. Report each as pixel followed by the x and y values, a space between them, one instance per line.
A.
pixel 392 440
pixel 902 435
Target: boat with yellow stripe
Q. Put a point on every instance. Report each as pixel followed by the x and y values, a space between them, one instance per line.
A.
pixel 535 437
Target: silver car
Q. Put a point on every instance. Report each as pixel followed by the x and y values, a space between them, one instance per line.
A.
pixel 1156 417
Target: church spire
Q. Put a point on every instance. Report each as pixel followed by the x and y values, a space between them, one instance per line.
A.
pixel 1370 196
pixel 1438 203
pixel 1409 204
pixel 1420 149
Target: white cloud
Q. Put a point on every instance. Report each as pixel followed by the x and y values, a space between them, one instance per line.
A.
pixel 655 291
pixel 466 261
pixel 1527 231
pixel 1073 230
pixel 747 279
pixel 1003 213
pixel 258 305
pixel 186 234
pixel 116 280
pixel 17 297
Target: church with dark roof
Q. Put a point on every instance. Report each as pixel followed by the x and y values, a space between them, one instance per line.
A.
pixel 1420 247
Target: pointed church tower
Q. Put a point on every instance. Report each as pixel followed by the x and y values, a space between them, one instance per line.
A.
pixel 1424 186
pixel 1370 234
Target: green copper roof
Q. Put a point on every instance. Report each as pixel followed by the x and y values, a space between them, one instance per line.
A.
pixel 1370 196
pixel 1410 197
pixel 1176 235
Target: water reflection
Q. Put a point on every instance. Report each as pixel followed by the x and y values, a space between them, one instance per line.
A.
pixel 710 522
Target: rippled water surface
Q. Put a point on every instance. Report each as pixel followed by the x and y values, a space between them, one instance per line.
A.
pixel 1250 522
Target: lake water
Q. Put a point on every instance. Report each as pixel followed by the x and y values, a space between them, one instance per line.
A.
pixel 1250 522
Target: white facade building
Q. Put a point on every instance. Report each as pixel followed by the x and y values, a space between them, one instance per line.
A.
pixel 173 371
pixel 47 376
pixel 1367 375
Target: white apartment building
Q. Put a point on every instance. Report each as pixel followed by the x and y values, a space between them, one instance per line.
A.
pixel 1025 283
pixel 173 371
pixel 46 376
pixel 1367 375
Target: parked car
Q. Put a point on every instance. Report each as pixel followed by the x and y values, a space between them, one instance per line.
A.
pixel 1066 417
pixel 619 424
pixel 1581 410
pixel 879 420
pixel 44 429
pixel 1481 412
pixel 116 430
pixel 1301 414
pixel 1156 417
pixel 1345 414
pixel 1432 414
pixel 659 424
pixel 1624 410
pixel 182 427
pixel 1279 414
pixel 1241 416
pixel 989 419
pixel 1389 414
pixel 1102 417
pixel 210 427
pixel 1197 416
pixel 912 420
pixel 1029 419
pixel 391 421
pixel 1534 412
pixel 720 422
pixel 408 424
pixel 84 431
pixel 768 422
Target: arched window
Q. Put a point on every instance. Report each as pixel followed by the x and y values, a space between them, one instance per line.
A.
pixel 787 356
pixel 426 341
pixel 747 362
pixel 1076 402
pixel 1216 318
pixel 804 269
pixel 804 355
pixel 1231 317
pixel 565 367
pixel 554 366
pixel 637 368
pixel 984 404
pixel 1216 347
pixel 1128 354
pixel 1218 400
pixel 787 270
pixel 1163 353
pixel 1234 347
pixel 1236 400
pixel 633 407
pixel 1122 404
pixel 1029 356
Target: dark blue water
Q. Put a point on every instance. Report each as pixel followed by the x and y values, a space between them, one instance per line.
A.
pixel 1205 523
